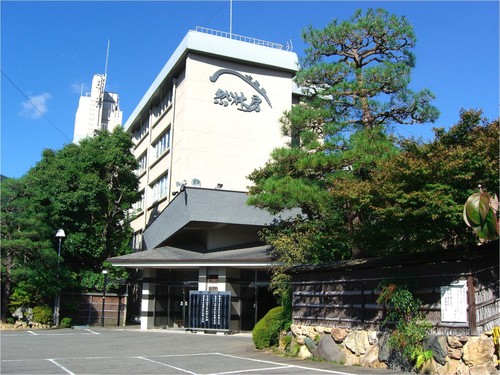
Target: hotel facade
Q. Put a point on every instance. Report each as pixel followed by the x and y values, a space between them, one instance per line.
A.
pixel 207 121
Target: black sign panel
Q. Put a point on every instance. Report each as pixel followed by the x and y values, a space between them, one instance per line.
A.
pixel 209 310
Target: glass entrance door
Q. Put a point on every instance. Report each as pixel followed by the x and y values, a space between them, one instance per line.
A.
pixel 172 296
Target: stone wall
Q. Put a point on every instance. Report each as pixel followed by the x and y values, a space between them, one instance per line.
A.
pixel 461 355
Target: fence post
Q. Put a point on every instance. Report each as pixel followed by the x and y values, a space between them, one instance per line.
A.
pixel 471 302
pixel 363 303
pixel 90 309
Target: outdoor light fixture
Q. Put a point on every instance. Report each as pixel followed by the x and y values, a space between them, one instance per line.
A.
pixel 105 273
pixel 57 303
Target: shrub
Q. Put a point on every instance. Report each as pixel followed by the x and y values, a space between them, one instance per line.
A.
pixel 42 314
pixel 66 323
pixel 410 329
pixel 267 330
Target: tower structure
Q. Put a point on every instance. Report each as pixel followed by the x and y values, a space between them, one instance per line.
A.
pixel 97 110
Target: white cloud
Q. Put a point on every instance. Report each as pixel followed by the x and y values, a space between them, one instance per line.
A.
pixel 36 106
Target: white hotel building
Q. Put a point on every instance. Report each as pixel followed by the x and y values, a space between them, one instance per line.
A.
pixel 207 121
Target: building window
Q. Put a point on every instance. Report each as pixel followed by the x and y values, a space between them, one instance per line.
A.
pixel 141 131
pixel 163 104
pixel 143 164
pixel 137 241
pixel 162 145
pixel 160 188
pixel 139 205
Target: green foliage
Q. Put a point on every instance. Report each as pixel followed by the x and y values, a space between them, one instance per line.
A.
pixel 355 76
pixel 358 70
pixel 285 342
pixel 20 297
pixel 42 314
pixel 23 232
pixel 410 328
pixel 66 323
pixel 267 330
pixel 85 189
pixel 415 205
pixel 420 357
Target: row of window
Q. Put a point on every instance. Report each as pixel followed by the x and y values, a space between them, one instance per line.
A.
pixel 159 190
pixel 163 104
pixel 157 111
pixel 159 148
pixel 141 131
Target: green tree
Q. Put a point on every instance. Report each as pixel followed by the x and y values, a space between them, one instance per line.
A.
pixel 418 196
pixel 28 261
pixel 86 189
pixel 355 77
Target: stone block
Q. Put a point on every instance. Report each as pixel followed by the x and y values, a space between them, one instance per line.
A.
pixel 478 351
pixel 438 346
pixel 454 342
pixel 328 350
pixel 371 359
pixel 454 353
pixel 479 370
pixel 304 353
pixel 339 334
pixel 357 342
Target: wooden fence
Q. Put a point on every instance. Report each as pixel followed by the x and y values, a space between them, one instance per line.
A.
pixel 87 308
pixel 459 290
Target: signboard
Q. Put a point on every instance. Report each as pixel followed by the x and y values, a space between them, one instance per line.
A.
pixel 454 302
pixel 243 102
pixel 209 310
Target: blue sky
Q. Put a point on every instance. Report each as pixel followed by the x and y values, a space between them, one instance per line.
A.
pixel 50 49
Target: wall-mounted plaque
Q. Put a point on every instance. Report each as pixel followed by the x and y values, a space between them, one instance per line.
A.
pixel 454 302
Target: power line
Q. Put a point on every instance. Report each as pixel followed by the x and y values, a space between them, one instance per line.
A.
pixel 34 106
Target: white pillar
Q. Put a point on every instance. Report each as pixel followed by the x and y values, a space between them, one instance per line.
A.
pixel 148 299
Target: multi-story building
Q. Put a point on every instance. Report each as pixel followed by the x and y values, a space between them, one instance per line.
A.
pixel 97 110
pixel 207 121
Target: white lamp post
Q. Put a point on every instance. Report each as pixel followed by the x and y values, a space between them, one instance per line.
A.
pixel 59 235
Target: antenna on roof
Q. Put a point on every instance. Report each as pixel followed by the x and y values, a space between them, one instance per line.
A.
pixel 230 18
pixel 107 55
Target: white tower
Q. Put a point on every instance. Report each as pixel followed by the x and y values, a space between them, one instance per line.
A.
pixel 98 110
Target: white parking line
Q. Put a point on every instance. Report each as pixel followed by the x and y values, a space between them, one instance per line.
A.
pixel 164 364
pixel 283 367
pixel 275 365
pixel 61 367
pixel 90 332
pixel 291 366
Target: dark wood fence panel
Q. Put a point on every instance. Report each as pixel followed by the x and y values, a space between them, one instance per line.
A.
pixel 86 309
pixel 344 294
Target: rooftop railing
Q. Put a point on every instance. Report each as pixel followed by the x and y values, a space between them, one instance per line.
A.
pixel 241 38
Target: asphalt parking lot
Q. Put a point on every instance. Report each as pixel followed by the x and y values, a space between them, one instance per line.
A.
pixel 132 351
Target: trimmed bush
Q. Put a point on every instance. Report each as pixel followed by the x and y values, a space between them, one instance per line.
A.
pixel 42 314
pixel 267 330
pixel 66 323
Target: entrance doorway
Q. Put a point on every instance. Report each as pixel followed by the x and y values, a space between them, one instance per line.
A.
pixel 256 298
pixel 172 296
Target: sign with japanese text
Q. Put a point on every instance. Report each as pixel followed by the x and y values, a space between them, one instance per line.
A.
pixel 454 302
pixel 243 102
